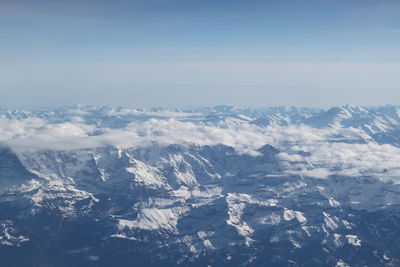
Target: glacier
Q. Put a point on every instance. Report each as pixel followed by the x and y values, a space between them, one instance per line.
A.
pixel 216 186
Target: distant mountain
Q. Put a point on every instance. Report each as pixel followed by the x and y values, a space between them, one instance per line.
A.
pixel 218 186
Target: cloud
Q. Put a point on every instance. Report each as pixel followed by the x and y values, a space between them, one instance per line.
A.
pixel 328 158
pixel 19 128
pixel 66 136
pixel 316 173
pixel 307 151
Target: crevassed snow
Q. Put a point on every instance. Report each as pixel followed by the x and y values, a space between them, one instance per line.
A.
pixel 353 240
pixel 291 214
pixel 155 218
pixel 330 221
pixel 235 213
pixel 9 236
pixel 146 174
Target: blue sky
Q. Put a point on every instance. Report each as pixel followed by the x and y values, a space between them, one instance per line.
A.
pixel 199 53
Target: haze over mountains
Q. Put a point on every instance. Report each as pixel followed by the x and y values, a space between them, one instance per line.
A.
pixel 218 186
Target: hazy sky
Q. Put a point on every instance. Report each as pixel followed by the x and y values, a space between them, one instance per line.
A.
pixel 199 53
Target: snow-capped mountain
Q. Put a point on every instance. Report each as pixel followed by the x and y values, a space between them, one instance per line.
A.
pixel 220 186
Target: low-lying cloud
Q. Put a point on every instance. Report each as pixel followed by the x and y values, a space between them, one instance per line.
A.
pixel 308 151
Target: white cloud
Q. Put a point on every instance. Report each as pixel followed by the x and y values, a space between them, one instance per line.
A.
pixel 325 157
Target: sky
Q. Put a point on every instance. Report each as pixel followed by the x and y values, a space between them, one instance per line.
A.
pixel 191 53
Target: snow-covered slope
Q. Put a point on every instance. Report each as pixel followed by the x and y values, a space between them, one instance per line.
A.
pixel 101 186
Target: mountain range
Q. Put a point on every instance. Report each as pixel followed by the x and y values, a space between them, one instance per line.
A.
pixel 217 186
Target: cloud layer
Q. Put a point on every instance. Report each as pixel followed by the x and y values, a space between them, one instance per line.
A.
pixel 316 152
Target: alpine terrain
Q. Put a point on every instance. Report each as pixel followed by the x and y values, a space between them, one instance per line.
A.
pixel 219 186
